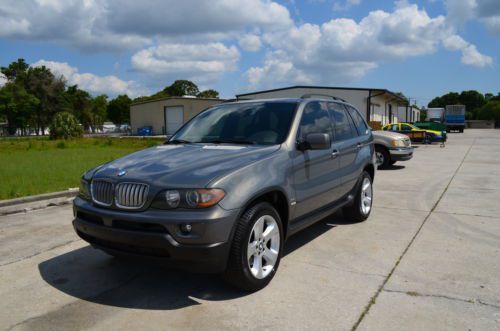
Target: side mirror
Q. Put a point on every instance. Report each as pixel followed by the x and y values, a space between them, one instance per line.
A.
pixel 315 141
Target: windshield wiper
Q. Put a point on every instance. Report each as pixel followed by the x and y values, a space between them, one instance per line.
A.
pixel 229 141
pixel 179 141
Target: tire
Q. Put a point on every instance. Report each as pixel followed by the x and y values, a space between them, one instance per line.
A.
pixel 392 162
pixel 383 157
pixel 243 271
pixel 358 211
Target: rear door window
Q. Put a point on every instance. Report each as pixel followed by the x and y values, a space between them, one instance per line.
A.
pixel 359 122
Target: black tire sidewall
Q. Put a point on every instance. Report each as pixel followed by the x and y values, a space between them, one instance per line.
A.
pixel 244 278
pixel 385 154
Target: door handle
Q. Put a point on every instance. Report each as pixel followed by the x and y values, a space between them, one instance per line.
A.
pixel 359 145
pixel 335 153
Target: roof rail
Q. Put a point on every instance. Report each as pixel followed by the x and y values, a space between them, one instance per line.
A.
pixel 236 100
pixel 311 95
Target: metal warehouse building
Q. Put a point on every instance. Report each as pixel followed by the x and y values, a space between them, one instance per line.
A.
pixel 166 115
pixel 378 105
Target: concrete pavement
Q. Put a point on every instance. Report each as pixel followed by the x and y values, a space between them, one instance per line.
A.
pixel 428 258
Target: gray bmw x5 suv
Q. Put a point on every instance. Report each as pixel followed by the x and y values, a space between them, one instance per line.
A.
pixel 226 191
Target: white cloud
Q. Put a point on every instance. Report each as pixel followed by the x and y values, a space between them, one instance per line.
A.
pixel 342 50
pixel 103 25
pixel 486 11
pixel 204 63
pixel 345 5
pixel 110 85
pixel 470 54
pixel 250 42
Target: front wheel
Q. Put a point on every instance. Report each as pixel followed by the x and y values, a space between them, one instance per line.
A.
pixel 383 157
pixel 256 249
pixel 362 204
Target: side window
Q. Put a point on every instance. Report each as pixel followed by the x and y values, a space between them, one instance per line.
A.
pixel 314 119
pixel 405 127
pixel 359 122
pixel 395 127
pixel 343 126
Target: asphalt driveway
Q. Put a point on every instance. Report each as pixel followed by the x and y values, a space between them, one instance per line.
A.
pixel 428 258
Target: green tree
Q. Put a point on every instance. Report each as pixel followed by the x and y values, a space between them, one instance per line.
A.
pixel 472 100
pixel 50 92
pixel 64 126
pixel 80 104
pixel 208 94
pixel 490 111
pixel 181 87
pixel 119 110
pixel 451 98
pixel 16 106
pixel 98 112
pixel 16 71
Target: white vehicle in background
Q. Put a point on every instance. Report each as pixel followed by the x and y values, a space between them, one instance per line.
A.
pixel 108 127
pixel 391 147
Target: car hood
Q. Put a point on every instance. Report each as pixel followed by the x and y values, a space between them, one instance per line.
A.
pixel 182 166
pixel 389 134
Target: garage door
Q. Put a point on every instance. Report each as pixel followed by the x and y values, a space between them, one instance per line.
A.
pixel 174 118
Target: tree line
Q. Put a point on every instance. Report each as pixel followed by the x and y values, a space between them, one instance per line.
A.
pixel 478 106
pixel 32 96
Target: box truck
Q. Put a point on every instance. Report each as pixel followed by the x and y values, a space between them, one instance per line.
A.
pixel 454 118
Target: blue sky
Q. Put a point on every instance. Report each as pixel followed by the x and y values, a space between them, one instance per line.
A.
pixel 421 48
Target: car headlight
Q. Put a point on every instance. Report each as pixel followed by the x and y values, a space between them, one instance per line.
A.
pixel 188 198
pixel 398 143
pixel 83 190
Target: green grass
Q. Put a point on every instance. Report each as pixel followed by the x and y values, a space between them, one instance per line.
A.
pixel 38 165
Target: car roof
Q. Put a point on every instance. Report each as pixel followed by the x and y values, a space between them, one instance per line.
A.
pixel 290 100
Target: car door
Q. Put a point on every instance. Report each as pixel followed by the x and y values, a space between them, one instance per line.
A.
pixel 316 178
pixel 345 144
pixel 364 148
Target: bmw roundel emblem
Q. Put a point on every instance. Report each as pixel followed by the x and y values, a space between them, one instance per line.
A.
pixel 121 173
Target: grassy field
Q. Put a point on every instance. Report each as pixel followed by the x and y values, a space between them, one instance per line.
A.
pixel 38 165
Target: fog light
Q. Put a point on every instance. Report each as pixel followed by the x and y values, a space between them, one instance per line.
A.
pixel 186 228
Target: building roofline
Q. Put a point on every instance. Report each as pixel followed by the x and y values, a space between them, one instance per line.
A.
pixel 325 88
pixel 175 98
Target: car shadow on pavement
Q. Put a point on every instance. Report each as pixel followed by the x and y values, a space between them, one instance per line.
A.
pixel 393 167
pixel 91 275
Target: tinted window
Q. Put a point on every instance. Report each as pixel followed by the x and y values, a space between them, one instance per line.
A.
pixel 359 122
pixel 255 122
pixel 405 127
pixel 343 127
pixel 314 119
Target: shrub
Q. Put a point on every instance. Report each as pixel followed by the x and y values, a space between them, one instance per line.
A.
pixel 64 126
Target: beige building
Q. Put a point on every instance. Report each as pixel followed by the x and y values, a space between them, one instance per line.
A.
pixel 377 105
pixel 166 115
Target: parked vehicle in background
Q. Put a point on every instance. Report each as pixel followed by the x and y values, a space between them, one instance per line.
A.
pixel 108 127
pixel 434 126
pixel 391 147
pixel 232 184
pixel 416 134
pixel 435 115
pixel 454 118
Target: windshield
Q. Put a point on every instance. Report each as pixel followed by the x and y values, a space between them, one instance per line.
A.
pixel 263 123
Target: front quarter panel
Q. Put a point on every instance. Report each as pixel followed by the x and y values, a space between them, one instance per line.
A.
pixel 243 185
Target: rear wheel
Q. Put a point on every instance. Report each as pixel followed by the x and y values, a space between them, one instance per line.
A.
pixel 383 157
pixel 363 200
pixel 257 247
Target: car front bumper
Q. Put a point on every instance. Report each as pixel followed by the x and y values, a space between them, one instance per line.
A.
pixel 157 234
pixel 401 154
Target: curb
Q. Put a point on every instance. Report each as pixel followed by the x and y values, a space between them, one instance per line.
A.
pixel 72 192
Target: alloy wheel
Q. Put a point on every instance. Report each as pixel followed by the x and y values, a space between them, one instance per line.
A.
pixel 263 246
pixel 366 196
